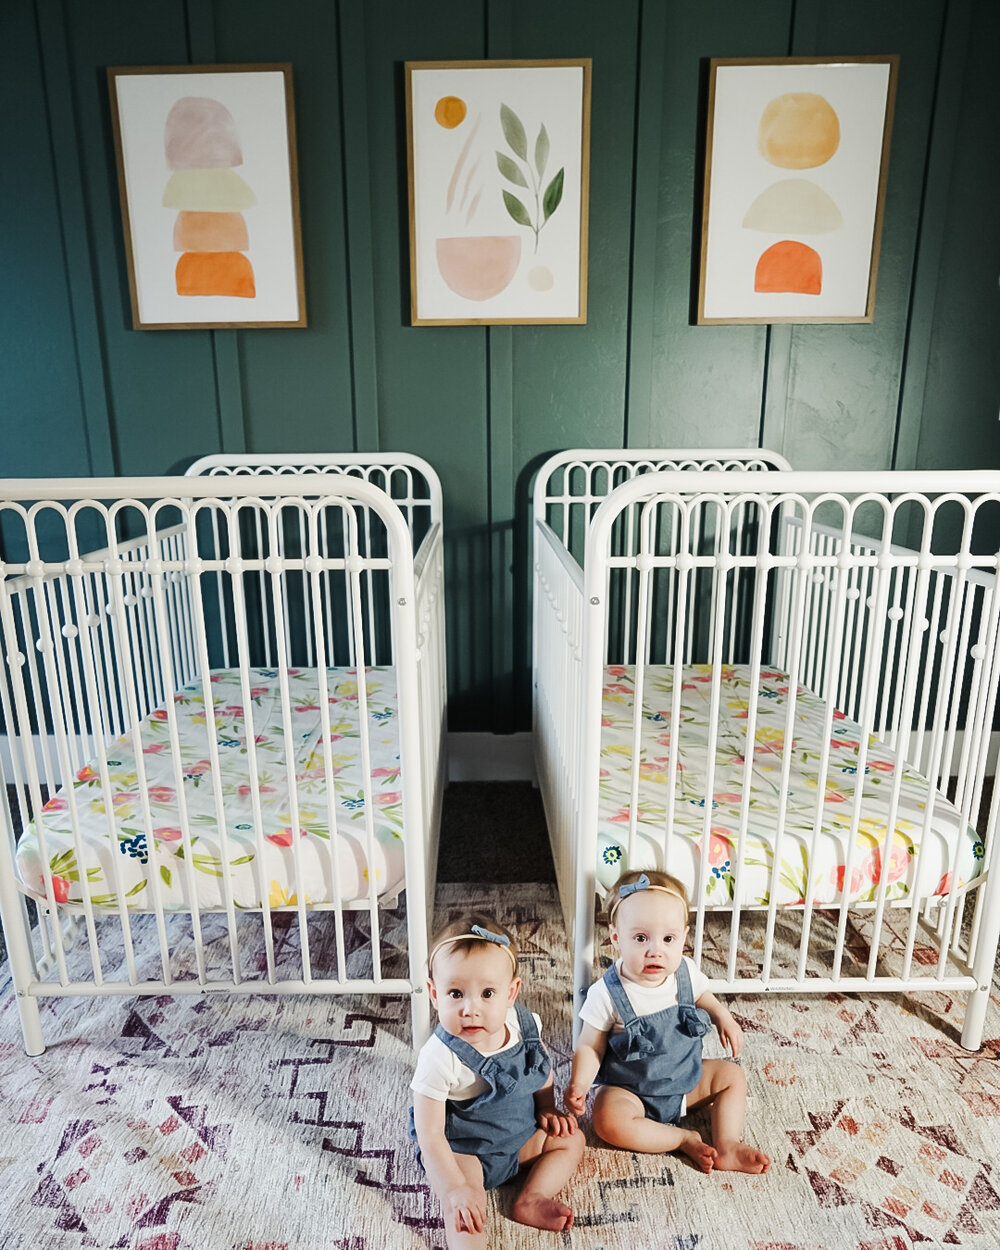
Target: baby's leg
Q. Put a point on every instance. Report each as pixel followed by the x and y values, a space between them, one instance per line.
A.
pixel 621 1120
pixel 553 1161
pixel 724 1085
pixel 464 1239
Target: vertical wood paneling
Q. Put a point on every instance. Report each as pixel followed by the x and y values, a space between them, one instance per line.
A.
pixel 707 381
pixel 42 427
pixel 297 384
pixel 500 387
pixel 959 403
pixel 639 426
pixel 844 380
pixel 225 343
pixel 90 363
pixel 945 141
pixel 485 404
pixel 353 71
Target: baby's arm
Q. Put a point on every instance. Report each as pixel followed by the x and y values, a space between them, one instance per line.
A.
pixel 555 1123
pixel 586 1061
pixel 730 1032
pixel 462 1204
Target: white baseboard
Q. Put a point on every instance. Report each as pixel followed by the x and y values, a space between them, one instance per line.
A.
pixel 490 757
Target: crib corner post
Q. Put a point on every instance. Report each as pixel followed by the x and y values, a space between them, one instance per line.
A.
pixel 975 1019
pixel 420 1017
pixel 31 1025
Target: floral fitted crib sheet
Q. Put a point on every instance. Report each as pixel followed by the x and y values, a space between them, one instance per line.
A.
pixel 952 851
pixel 121 853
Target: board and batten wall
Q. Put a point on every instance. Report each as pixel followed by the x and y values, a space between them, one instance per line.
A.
pixel 81 393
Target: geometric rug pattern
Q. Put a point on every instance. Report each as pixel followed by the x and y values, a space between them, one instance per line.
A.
pixel 252 1123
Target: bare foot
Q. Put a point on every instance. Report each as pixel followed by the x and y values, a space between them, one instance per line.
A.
pixel 699 1151
pixel 542 1212
pixel 739 1157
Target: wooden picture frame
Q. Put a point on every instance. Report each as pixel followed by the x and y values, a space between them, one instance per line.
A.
pixel 208 178
pixel 498 156
pixel 796 162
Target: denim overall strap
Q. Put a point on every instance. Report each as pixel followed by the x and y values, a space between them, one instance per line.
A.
pixel 692 1020
pixel 622 1004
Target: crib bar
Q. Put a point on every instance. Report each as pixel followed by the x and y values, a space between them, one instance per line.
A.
pixel 115 616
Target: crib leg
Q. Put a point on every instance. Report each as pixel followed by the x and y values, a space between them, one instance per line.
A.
pixel 420 1017
pixel 31 1025
pixel 975 1018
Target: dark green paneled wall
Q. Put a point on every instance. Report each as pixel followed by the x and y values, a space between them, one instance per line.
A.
pixel 82 393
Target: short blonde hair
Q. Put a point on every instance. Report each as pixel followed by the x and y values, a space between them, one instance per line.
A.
pixel 662 882
pixel 458 935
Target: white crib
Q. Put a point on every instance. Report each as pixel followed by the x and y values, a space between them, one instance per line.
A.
pixel 211 798
pixel 781 687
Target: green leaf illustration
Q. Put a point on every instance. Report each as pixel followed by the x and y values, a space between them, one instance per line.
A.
pixel 553 194
pixel 516 209
pixel 542 151
pixel 513 131
pixel 510 171
pixel 165 874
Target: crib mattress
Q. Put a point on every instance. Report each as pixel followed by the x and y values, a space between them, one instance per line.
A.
pixel 125 865
pixel 951 850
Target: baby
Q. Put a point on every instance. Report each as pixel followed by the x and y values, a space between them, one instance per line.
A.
pixel 483 1102
pixel 642 1028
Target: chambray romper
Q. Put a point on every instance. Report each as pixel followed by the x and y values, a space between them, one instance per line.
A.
pixel 657 1057
pixel 495 1125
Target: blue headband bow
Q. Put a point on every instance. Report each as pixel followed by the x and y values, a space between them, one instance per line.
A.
pixel 633 887
pixel 488 935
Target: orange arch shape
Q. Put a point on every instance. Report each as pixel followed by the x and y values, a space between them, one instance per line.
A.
pixel 215 273
pixel 788 267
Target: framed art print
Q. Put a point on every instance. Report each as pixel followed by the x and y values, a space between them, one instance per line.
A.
pixel 498 159
pixel 209 194
pixel 795 172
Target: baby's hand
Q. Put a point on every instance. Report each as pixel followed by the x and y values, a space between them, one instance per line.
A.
pixel 730 1034
pixel 556 1124
pixel 576 1100
pixel 465 1209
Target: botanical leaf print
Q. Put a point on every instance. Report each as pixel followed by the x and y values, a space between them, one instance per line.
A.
pixel 126 849
pixel 683 805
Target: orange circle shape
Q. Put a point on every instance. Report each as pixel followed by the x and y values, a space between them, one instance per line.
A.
pixel 799 130
pixel 449 112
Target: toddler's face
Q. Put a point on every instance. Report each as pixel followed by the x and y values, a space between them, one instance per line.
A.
pixel 472 992
pixel 649 931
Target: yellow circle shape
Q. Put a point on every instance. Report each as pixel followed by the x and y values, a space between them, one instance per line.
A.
pixel 799 130
pixel 450 111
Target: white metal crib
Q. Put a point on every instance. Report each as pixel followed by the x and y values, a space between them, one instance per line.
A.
pixel 781 687
pixel 224 705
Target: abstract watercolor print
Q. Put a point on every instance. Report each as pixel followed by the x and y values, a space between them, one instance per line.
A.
pixel 794 182
pixel 202 149
pixel 497 191
pixel 206 162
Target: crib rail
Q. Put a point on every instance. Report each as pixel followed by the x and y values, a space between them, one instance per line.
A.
pixel 409 481
pixel 808 575
pixel 557 654
pixel 128 596
pixel 571 484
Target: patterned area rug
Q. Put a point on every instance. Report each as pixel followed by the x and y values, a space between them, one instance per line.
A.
pixel 234 1123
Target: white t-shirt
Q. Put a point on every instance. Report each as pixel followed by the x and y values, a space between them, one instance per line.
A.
pixel 598 1009
pixel 442 1075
